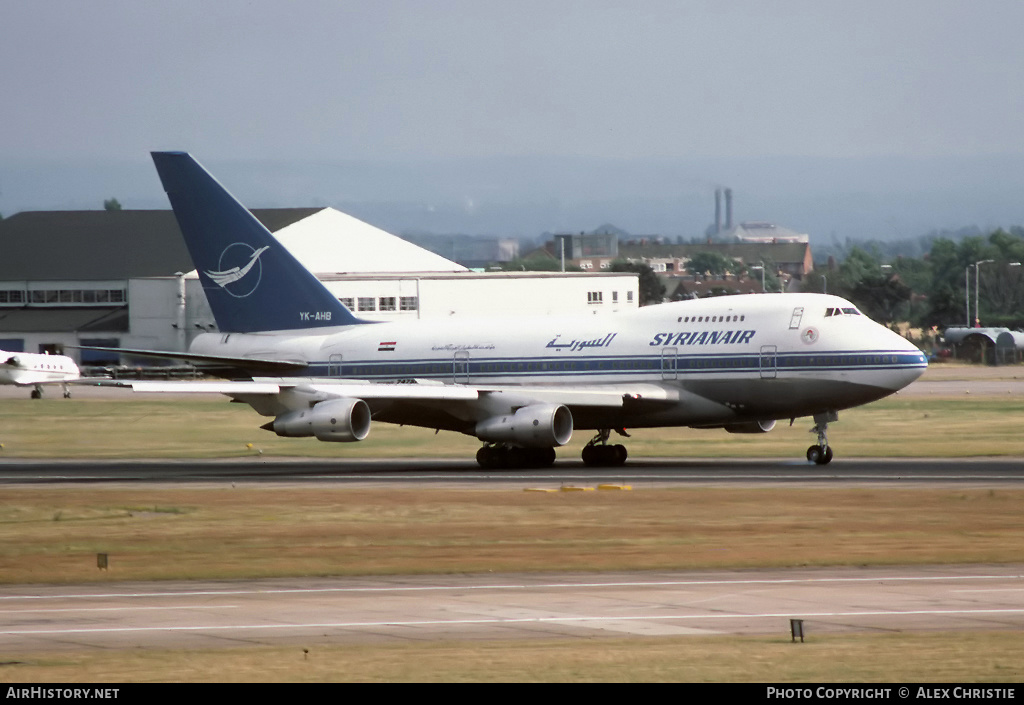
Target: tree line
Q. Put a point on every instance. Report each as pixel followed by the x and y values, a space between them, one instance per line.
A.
pixel 938 288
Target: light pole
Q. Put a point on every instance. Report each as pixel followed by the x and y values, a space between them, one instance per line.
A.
pixel 967 296
pixel 761 267
pixel 977 267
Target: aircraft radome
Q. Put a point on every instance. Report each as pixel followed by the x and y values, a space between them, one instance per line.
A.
pixel 294 353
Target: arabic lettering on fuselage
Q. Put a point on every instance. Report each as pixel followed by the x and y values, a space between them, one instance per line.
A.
pixel 452 347
pixel 575 345
pixel 704 337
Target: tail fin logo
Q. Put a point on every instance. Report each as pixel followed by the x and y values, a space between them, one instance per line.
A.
pixel 244 277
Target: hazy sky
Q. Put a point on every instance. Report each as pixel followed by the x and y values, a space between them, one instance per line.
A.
pixel 413 79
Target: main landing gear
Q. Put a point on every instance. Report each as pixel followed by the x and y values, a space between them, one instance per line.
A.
pixel 37 391
pixel 505 457
pixel 821 454
pixel 598 453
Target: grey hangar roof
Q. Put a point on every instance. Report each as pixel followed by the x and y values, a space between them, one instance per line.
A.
pixel 102 245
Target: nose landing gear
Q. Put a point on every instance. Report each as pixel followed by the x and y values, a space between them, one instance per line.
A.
pixel 821 454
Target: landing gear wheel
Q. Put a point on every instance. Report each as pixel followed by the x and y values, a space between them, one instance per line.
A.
pixel 598 453
pixel 604 456
pixel 819 455
pixel 620 454
pixel 488 457
pixel 37 394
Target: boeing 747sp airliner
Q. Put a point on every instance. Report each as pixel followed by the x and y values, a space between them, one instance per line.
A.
pixel 520 386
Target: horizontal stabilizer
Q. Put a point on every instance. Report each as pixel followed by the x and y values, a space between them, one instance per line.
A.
pixel 202 361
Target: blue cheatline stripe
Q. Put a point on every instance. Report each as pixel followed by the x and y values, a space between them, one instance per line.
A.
pixel 616 365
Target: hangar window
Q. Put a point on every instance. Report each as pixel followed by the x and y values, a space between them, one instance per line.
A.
pixel 348 302
pixel 387 303
pixel 66 297
pixel 595 297
pixel 408 303
pixel 367 303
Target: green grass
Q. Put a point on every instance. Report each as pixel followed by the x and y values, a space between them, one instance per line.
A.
pixel 976 657
pixel 52 534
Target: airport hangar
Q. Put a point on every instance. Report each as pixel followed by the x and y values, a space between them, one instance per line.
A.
pixel 124 278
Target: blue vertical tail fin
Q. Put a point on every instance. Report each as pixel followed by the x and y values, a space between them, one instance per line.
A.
pixel 251 281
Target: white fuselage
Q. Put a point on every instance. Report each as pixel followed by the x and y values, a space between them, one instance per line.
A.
pixel 720 360
pixel 33 368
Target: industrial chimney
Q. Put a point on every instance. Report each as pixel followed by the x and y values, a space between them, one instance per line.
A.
pixel 718 211
pixel 728 209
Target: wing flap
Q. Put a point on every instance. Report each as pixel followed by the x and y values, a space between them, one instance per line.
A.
pixel 357 390
pixel 605 397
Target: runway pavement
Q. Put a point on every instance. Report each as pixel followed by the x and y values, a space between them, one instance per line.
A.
pixel 988 472
pixel 358 610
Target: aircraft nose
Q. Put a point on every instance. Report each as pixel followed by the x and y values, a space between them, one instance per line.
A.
pixel 910 361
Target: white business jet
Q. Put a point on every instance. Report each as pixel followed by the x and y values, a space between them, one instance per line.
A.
pixel 521 386
pixel 36 370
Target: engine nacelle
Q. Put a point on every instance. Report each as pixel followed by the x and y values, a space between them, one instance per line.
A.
pixel 534 426
pixel 750 427
pixel 337 420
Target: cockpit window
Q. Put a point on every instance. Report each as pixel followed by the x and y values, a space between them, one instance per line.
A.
pixel 841 312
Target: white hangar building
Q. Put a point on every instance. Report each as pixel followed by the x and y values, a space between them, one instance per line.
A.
pixel 125 279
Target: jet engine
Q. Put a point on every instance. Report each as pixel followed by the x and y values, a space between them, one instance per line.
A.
pixel 534 426
pixel 750 427
pixel 337 420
